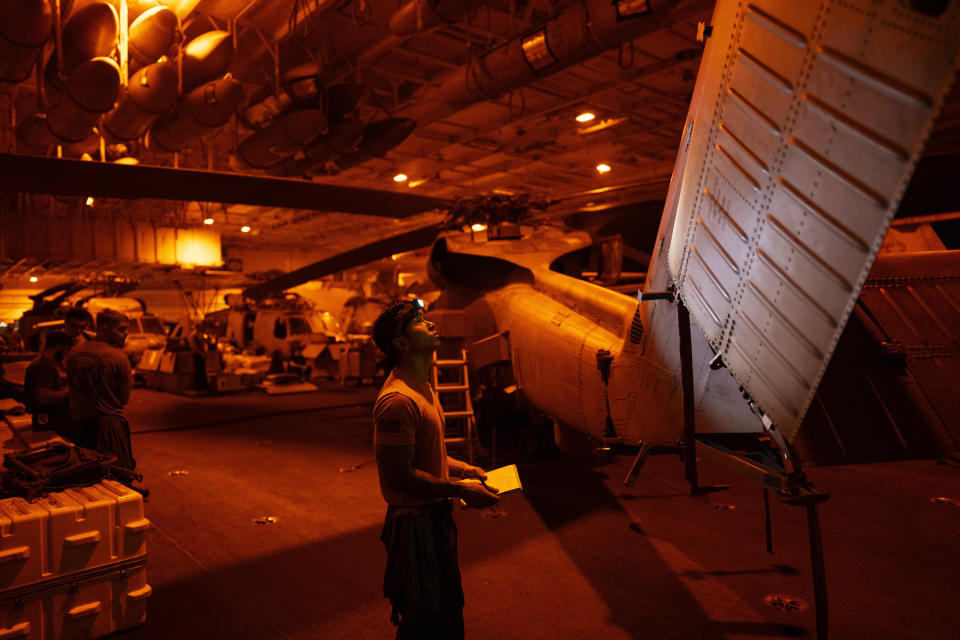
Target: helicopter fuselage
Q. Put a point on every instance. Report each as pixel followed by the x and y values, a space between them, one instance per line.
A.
pixel 557 326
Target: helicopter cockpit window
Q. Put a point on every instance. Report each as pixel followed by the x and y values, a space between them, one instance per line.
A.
pixel 151 325
pixel 327 321
pixel 298 325
pixel 280 328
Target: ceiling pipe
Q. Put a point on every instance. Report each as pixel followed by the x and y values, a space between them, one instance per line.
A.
pixel 301 88
pixel 378 138
pixel 91 32
pixel 151 36
pixel 416 16
pixel 25 26
pixel 90 91
pixel 204 109
pixel 287 133
pixel 152 90
pixel 585 30
pixel 343 138
pixel 206 58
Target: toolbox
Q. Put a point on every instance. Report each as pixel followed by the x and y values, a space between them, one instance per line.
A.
pixel 73 564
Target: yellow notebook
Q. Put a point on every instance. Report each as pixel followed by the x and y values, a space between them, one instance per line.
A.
pixel 504 480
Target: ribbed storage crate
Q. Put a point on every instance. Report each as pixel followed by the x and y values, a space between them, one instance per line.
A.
pixel 73 564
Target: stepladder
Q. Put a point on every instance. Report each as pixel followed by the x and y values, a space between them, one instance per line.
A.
pixel 451 382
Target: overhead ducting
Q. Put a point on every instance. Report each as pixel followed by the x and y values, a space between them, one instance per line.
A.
pixel 25 26
pixel 206 58
pixel 301 88
pixel 338 101
pixel 204 109
pixel 584 30
pixel 287 133
pixel 342 138
pixel 136 8
pixel 151 91
pixel 151 36
pixel 90 91
pixel 419 15
pixel 91 32
pixel 378 138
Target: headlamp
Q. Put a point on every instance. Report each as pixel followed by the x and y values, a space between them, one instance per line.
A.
pixel 416 308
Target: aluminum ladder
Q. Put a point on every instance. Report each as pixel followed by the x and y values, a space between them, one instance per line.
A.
pixel 451 382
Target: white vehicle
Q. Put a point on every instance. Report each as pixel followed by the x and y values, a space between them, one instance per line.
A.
pixel 146 330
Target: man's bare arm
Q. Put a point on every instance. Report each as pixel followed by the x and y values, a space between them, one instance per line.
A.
pixel 396 467
pixel 460 469
pixel 49 396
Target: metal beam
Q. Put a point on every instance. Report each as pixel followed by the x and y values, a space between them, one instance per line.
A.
pixel 83 178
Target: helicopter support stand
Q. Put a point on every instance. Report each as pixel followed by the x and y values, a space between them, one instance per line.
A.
pixel 774 468
pixel 686 446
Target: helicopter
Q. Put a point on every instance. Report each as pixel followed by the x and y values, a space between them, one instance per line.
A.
pixel 801 136
pixel 50 306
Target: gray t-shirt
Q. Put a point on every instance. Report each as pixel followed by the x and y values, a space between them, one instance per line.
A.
pixel 408 412
pixel 99 380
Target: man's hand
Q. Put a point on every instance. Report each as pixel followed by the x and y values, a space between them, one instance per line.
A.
pixel 475 495
pixel 470 471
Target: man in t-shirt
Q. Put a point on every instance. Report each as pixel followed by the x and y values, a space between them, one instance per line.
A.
pixel 76 324
pixel 422 578
pixel 99 380
pixel 45 388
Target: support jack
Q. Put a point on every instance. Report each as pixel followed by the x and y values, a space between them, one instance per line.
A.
pixel 768 460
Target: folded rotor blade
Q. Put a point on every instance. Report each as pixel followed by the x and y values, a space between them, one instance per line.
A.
pixel 33 174
pixel 408 241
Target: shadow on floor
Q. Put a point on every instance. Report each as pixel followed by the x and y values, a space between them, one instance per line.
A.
pixel 642 592
pixel 302 591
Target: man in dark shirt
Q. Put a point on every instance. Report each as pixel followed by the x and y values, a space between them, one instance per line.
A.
pixel 76 324
pixel 422 579
pixel 44 386
pixel 99 379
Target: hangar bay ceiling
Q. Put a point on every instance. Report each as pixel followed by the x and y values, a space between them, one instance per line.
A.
pixel 461 97
pixel 464 98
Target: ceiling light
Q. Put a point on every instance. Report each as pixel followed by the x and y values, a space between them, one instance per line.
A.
pixel 537 52
pixel 603 168
pixel 478 227
pixel 600 126
pixel 208 221
pixel 89 201
pixel 400 177
pixel 246 229
pixel 586 116
pixel 34 278
pixel 416 183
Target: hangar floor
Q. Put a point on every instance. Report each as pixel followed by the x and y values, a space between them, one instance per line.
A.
pixel 576 555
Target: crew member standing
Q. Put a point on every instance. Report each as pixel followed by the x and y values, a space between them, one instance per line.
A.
pixel 422 578
pixel 76 324
pixel 45 388
pixel 99 380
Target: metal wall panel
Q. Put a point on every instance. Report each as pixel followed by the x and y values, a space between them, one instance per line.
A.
pixel 816 123
pixel 890 391
pixel 94 239
pixel 914 299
